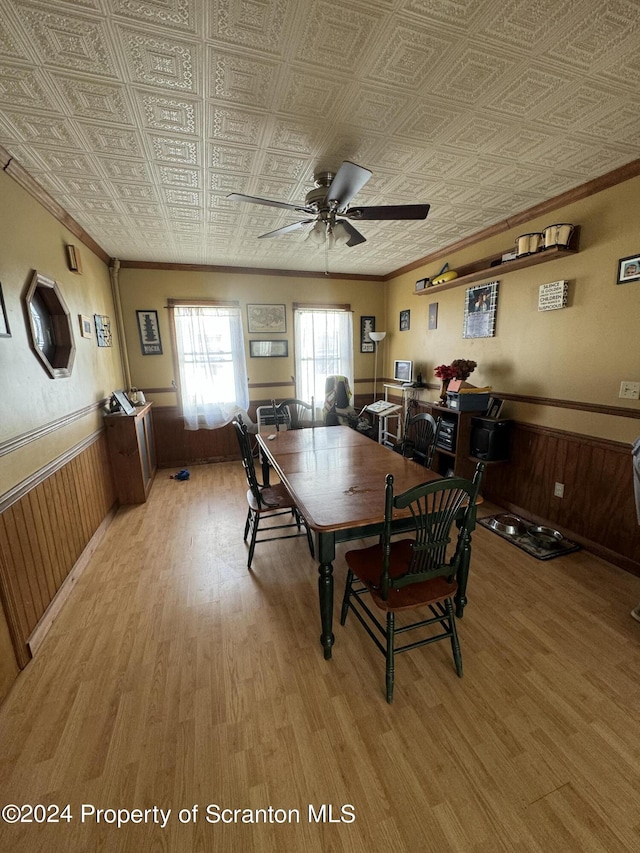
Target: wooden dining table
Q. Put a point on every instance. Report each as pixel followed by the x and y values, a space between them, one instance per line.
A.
pixel 336 477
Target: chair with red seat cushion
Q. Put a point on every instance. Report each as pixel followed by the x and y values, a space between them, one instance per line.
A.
pixel 415 573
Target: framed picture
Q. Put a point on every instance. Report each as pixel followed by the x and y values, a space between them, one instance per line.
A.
pixel 268 349
pixel 86 329
pixel 73 258
pixel 494 407
pixel 433 316
pixel 480 311
pixel 103 329
pixel 125 403
pixel 367 324
pixel 405 321
pixel 629 269
pixel 5 332
pixel 271 319
pixel 421 283
pixel 149 330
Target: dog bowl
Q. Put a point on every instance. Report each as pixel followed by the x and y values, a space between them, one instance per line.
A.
pixel 545 537
pixel 511 525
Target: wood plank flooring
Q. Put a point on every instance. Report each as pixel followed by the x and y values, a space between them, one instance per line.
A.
pixel 174 678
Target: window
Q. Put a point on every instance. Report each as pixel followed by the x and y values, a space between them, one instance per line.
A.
pixel 212 370
pixel 323 347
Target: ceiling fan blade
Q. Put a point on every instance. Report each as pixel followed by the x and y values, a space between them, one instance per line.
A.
pixel 268 202
pixel 348 181
pixel 391 211
pixel 356 237
pixel 286 229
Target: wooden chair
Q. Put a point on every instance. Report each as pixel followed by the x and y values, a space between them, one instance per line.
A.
pixel 420 437
pixel 293 414
pixel 416 573
pixel 266 502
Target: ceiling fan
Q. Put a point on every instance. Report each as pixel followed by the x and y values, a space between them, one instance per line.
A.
pixel 328 204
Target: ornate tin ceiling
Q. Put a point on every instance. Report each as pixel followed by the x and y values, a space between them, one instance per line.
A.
pixel 140 116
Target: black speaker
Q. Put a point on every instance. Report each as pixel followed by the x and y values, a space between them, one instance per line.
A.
pixel 490 439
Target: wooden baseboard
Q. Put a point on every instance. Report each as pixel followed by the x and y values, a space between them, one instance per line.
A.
pixel 50 615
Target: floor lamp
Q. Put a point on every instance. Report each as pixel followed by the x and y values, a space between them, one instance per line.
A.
pixel 376 337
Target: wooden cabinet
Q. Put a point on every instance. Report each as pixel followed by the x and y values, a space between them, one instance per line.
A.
pixel 132 453
pixel 455 433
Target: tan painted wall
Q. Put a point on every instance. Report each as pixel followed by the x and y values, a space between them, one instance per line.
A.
pixel 31 239
pixel 578 353
pixel 150 289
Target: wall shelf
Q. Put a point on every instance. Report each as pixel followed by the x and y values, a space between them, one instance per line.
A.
pixel 482 269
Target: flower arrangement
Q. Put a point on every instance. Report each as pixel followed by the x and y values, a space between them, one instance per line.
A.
pixel 461 368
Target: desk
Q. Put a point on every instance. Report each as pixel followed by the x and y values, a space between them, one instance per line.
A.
pixel 337 478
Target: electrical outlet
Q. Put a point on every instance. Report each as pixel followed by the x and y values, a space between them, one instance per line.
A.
pixel 558 490
pixel 629 390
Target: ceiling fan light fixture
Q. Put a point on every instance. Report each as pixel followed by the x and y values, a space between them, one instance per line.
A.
pixel 317 233
pixel 340 234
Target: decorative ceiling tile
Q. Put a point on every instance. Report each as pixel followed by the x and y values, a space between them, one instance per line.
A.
pixel 312 95
pixel 183 197
pixel 10 42
pixel 235 125
pixel 294 137
pixel 161 61
pixel 123 169
pixel 231 158
pixel 175 150
pixel 523 93
pixel 66 162
pixel 426 121
pixel 140 208
pixel 68 41
pixel 139 192
pixel 244 80
pixel 174 177
pixel 466 79
pixel 24 87
pixel 189 214
pixel 335 36
pixel 174 14
pixel 44 130
pixel 174 114
pixel 461 13
pixel 407 56
pixel 223 182
pixel 259 24
pixel 89 98
pixel 526 24
pixel 108 139
pixel 76 186
pixel 375 109
pixel 282 167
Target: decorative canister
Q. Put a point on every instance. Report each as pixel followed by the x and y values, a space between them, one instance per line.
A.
pixel 557 235
pixel 528 244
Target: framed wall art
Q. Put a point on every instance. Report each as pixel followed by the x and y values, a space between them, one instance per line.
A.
pixel 629 269
pixel 268 349
pixel 480 311
pixel 149 330
pixel 269 319
pixel 103 329
pixel 405 321
pixel 433 316
pixel 86 330
pixel 5 332
pixel 367 324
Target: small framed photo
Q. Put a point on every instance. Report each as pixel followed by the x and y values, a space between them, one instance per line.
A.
pixel 268 349
pixel 433 316
pixel 494 407
pixel 405 321
pixel 269 319
pixel 149 330
pixel 422 283
pixel 629 269
pixel 367 324
pixel 4 322
pixel 86 330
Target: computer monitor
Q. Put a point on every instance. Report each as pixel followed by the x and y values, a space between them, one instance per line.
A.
pixel 402 371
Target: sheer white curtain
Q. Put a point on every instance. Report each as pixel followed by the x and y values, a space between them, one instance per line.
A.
pixel 212 364
pixel 323 347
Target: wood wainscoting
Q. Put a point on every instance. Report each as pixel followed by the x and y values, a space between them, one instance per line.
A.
pixel 45 526
pixel 597 509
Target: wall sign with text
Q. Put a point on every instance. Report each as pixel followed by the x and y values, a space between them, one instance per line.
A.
pixel 553 295
pixel 149 332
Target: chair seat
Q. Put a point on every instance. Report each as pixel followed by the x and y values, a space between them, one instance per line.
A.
pixel 275 497
pixel 366 564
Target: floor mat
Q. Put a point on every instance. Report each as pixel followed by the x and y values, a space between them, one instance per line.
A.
pixel 525 543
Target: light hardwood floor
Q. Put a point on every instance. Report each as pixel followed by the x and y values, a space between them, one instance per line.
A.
pixel 174 677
